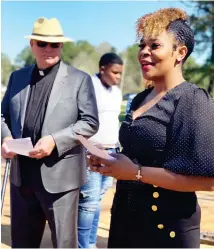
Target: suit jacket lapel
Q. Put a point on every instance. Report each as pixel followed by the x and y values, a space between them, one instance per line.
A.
pixel 24 94
pixel 56 90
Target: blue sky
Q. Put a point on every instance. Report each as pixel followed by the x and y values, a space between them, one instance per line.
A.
pixel 96 22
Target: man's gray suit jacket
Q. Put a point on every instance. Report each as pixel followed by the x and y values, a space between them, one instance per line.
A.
pixel 71 110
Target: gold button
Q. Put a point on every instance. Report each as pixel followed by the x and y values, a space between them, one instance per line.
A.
pixel 172 234
pixel 155 186
pixel 160 226
pixel 154 208
pixel 155 194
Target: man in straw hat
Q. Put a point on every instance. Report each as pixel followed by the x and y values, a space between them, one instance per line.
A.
pixel 51 103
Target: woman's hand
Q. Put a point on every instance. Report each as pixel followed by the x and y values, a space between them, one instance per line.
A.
pixel 122 168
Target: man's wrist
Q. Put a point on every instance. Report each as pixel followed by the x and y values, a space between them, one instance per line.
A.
pixel 54 143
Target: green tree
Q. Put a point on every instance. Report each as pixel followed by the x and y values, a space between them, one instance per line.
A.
pixel 196 73
pixel 202 21
pixel 25 57
pixel 69 52
pixel 85 46
pixel 86 58
pixel 85 62
pixel 132 76
pixel 6 68
pixel 105 47
pixel 81 55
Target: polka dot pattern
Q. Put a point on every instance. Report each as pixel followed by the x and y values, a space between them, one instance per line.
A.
pixel 177 133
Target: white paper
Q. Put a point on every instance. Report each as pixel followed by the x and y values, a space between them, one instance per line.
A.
pixel 93 149
pixel 20 146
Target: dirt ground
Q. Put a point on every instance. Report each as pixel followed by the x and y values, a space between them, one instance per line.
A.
pixel 206 200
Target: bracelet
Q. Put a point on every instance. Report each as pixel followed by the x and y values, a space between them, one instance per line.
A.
pixel 139 176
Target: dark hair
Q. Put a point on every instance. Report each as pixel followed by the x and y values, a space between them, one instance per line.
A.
pixel 110 58
pixel 183 34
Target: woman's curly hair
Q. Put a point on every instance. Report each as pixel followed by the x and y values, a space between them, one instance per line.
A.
pixel 172 20
pixel 151 25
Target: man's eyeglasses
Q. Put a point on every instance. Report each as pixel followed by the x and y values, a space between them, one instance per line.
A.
pixel 42 44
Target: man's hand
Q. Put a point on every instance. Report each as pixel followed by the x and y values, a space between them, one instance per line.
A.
pixel 5 153
pixel 43 147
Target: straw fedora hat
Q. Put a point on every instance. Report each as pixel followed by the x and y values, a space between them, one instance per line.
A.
pixel 48 30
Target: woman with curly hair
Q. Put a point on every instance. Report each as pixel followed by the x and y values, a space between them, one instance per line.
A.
pixel 168 144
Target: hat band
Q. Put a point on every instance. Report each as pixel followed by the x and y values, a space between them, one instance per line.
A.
pixel 48 35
